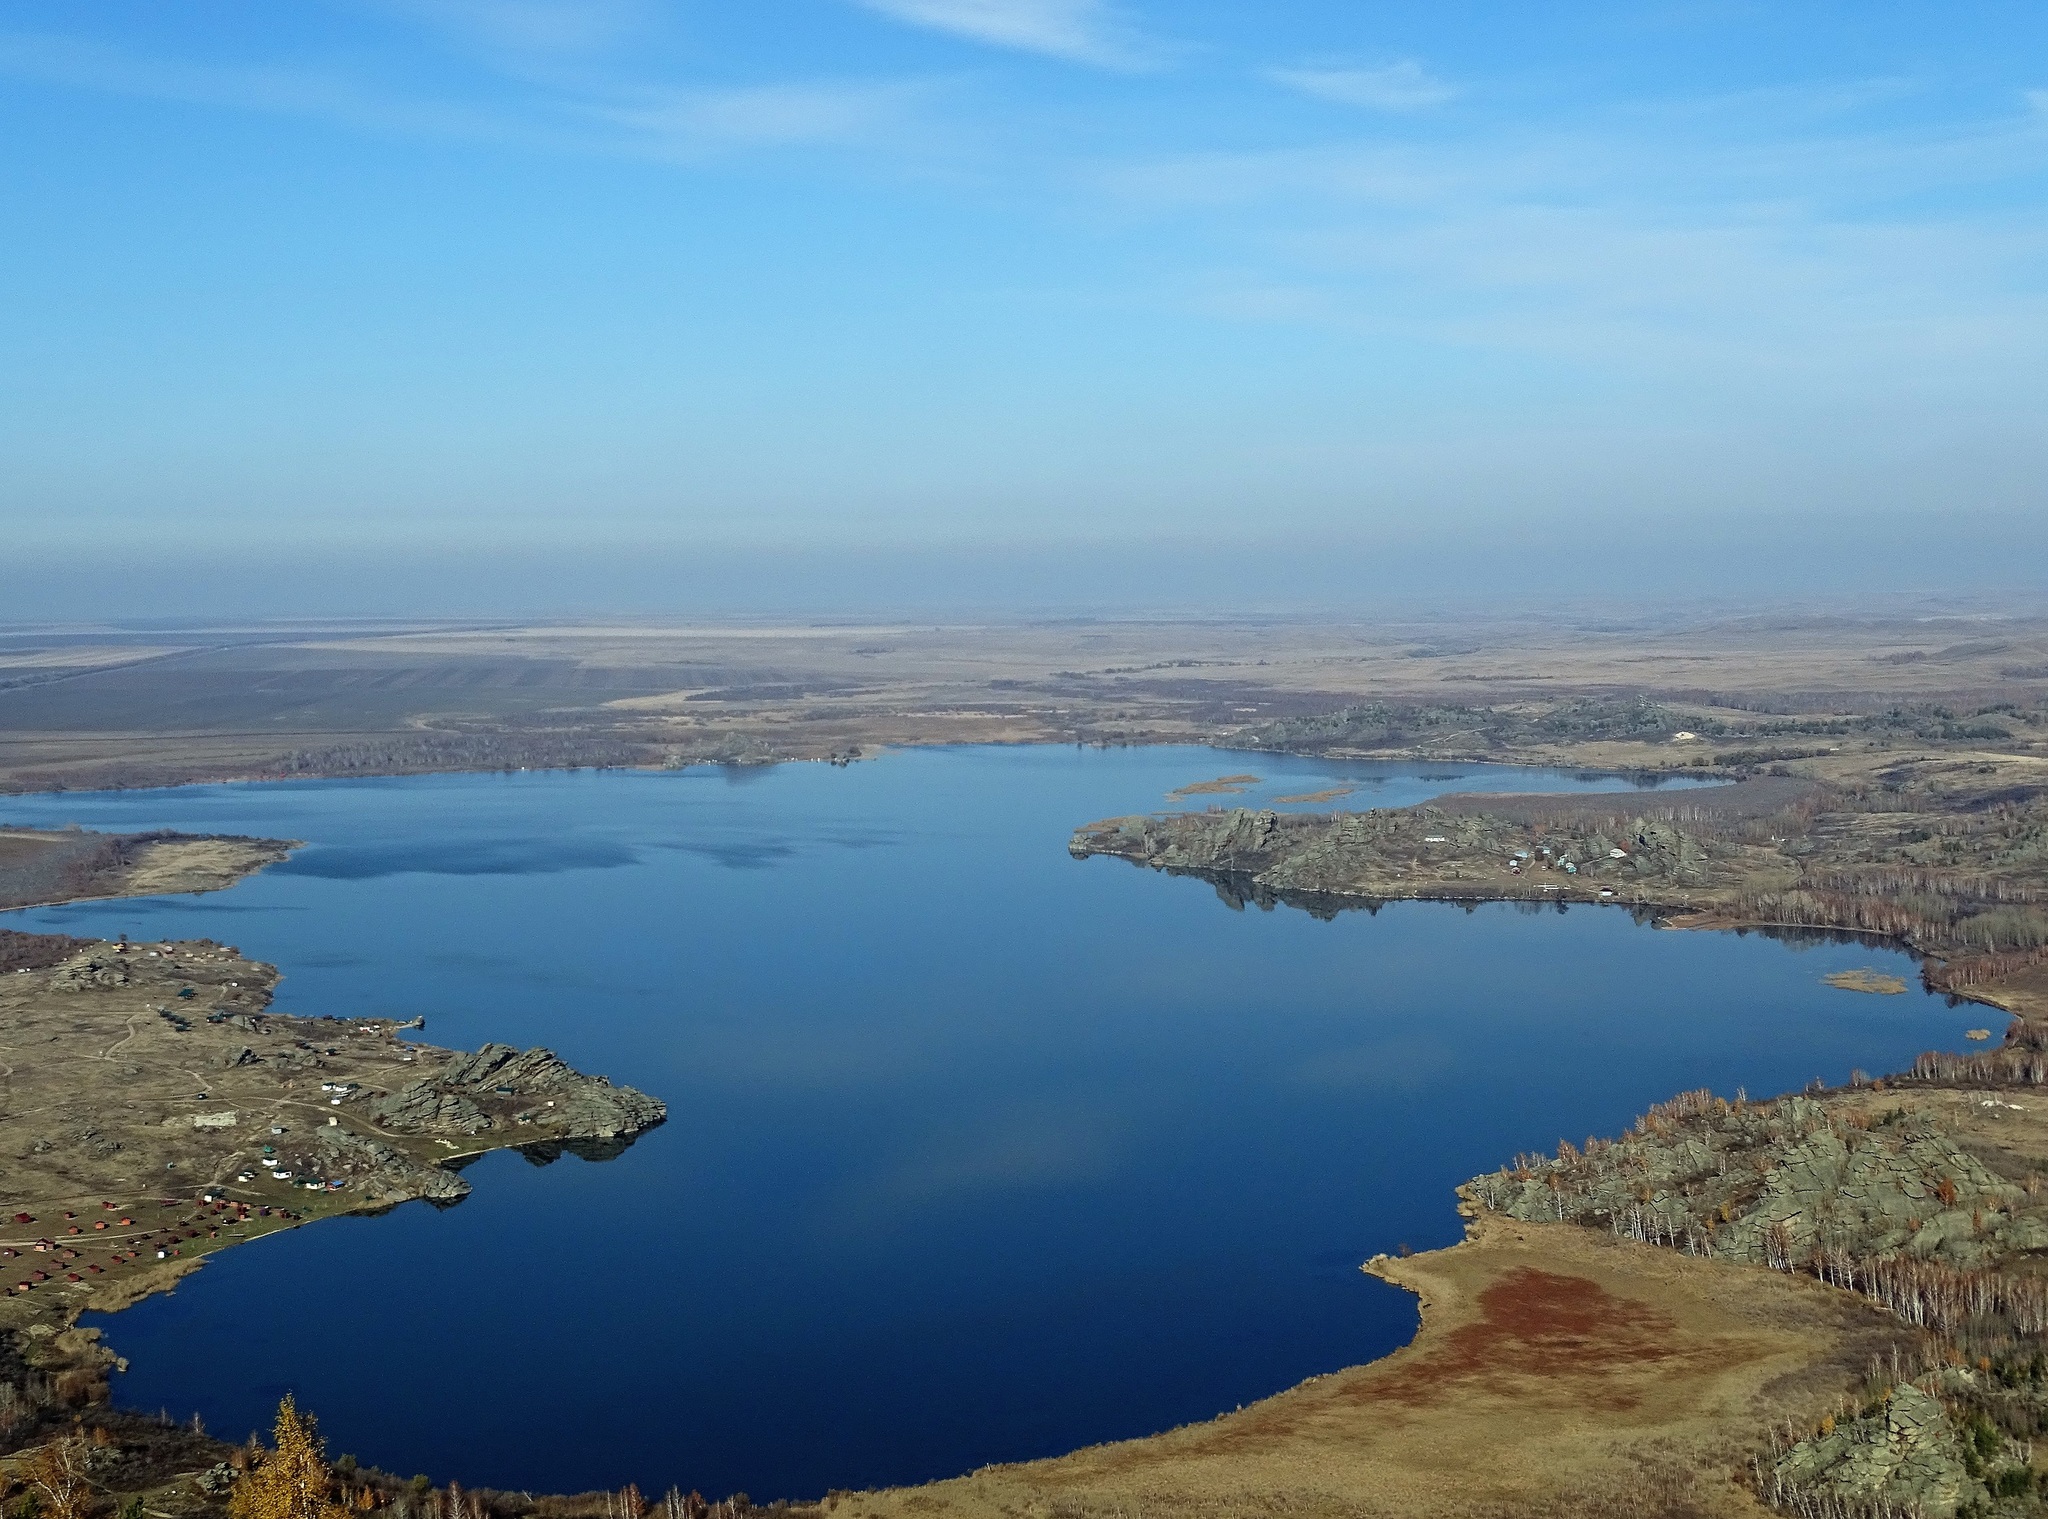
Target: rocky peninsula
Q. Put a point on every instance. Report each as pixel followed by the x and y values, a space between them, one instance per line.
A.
pixel 42 867
pixel 159 1108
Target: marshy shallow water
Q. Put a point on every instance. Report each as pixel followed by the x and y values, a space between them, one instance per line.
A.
pixel 977 1152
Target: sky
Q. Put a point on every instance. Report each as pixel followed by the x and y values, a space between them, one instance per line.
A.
pixel 409 305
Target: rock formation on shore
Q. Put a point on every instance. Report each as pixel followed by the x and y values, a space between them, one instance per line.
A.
pixel 499 1087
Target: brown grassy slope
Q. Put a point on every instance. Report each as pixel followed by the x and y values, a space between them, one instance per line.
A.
pixel 1557 1372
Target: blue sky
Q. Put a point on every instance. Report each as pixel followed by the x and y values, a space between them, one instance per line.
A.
pixel 577 277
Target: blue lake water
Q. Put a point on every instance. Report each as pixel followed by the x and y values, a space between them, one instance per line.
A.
pixel 977 1152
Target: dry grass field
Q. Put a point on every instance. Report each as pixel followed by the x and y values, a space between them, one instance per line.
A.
pixel 1557 1373
pixel 148 1094
pixel 75 866
pixel 85 707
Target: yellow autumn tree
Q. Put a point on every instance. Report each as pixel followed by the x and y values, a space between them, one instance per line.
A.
pixel 293 1482
pixel 56 1476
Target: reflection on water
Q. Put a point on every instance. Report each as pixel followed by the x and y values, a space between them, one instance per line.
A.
pixel 977 1152
pixel 1238 890
pixel 487 857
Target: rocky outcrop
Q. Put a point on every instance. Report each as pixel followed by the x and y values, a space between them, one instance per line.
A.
pixel 1907 1197
pixel 93 970
pixel 382 1173
pixel 499 1087
pixel 1780 1182
pixel 1904 1457
pixel 426 1107
pixel 1431 851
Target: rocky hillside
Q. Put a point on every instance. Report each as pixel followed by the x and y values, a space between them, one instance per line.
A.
pixel 1693 848
pixel 502 1090
pixel 1949 858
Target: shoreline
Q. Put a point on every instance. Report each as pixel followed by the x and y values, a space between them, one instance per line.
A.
pixel 1776 854
pixel 299 1119
pixel 104 867
pixel 1669 917
pixel 866 752
pixel 1404 1274
pixel 880 749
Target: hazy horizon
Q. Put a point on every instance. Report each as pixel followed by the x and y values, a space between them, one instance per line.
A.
pixel 1579 570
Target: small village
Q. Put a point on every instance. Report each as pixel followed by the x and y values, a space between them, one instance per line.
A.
pixel 297 1118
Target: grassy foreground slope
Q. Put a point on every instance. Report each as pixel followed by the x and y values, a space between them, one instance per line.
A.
pixel 1558 1372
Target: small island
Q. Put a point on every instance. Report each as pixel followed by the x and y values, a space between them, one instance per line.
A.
pixel 1874 982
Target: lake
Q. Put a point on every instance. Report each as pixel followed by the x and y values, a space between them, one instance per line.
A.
pixel 976 1152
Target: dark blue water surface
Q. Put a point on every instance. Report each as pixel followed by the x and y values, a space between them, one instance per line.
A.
pixel 977 1152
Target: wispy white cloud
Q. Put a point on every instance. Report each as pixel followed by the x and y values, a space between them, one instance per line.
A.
pixel 1023 1151
pixel 1787 106
pixel 1676 240
pixel 1788 224
pixel 773 115
pixel 1674 155
pixel 598 116
pixel 1336 173
pixel 277 90
pixel 1403 86
pixel 530 26
pixel 1082 31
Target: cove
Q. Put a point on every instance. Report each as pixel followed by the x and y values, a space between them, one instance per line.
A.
pixel 977 1152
